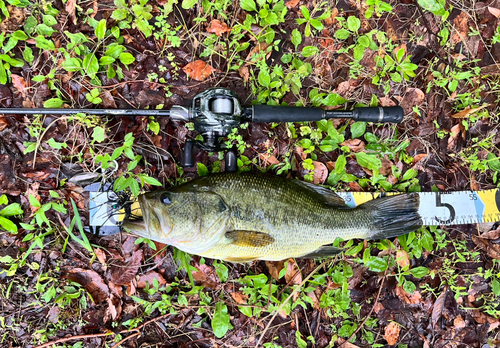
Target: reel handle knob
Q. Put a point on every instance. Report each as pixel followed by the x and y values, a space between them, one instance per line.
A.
pixel 188 160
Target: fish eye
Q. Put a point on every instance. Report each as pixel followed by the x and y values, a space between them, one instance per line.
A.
pixel 165 199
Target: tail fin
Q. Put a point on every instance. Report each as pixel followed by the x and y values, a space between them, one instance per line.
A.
pixel 394 215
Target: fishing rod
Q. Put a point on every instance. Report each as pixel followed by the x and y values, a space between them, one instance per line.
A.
pixel 215 112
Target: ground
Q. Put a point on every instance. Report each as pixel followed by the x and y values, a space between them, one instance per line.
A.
pixel 438 59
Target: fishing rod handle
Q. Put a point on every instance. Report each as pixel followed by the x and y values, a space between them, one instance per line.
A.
pixel 98 112
pixel 275 113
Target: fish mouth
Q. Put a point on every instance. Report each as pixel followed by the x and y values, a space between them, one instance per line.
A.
pixel 156 221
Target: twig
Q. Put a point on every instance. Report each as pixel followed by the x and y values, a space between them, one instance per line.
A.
pixel 137 329
pixel 288 299
pixel 126 339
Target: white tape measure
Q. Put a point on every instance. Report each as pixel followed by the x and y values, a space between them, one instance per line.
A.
pixel 445 208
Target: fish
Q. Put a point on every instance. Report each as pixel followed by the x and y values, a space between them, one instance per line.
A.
pixel 245 216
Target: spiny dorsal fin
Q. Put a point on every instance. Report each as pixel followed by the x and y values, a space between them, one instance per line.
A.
pixel 249 238
pixel 327 195
pixel 324 251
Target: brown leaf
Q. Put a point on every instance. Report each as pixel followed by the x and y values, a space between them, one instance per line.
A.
pixel 33 190
pixel 218 28
pixel 91 282
pixel 492 249
pixel 148 277
pixel 3 123
pixel 291 3
pixel 244 73
pixel 345 344
pixel 108 101
pixel 438 307
pixel 19 83
pixel 53 315
pixel 268 159
pixel 385 102
pixel 198 70
pixel 474 184
pixel 494 11
pixel 408 298
pixel 378 307
pixel 101 256
pixel 206 276
pixel 468 111
pixel 261 46
pixel 495 234
pixel 461 25
pixel 458 322
pixel 402 259
pixel 320 172
pixel 355 145
pixel 71 9
pixel 239 298
pixel 274 268
pixel 391 333
pixel 293 275
pixel 123 273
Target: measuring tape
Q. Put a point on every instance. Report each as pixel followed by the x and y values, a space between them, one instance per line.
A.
pixel 436 208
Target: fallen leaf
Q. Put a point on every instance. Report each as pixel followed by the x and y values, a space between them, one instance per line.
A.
pixel 108 101
pixel 495 234
pixel 122 273
pixel 320 172
pixel 3 123
pixel 261 46
pixel 91 282
pixel 149 277
pixel 408 298
pixel 101 256
pixel 33 190
pixel 461 26
pixel 438 307
pixel 239 298
pixel 378 307
pixel 291 3
pixel 474 184
pixel 402 259
pixel 458 322
pixel 244 72
pixel 315 298
pixel 206 276
pixel 19 83
pixel 198 70
pixel 53 315
pixel 468 111
pixel 494 11
pixel 344 344
pixel 391 333
pixel 385 102
pixel 293 275
pixel 218 28
pixel 355 145
pixel 71 9
pixel 274 268
pixel 268 159
pixel 492 249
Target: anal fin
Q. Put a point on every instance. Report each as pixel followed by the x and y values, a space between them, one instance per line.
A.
pixel 241 259
pixel 249 238
pixel 324 251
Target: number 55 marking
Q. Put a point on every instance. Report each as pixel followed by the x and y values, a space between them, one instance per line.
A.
pixel 446 205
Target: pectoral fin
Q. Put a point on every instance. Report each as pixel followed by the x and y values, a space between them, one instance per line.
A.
pixel 324 251
pixel 249 238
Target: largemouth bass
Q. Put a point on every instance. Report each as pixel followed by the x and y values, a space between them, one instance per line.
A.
pixel 241 217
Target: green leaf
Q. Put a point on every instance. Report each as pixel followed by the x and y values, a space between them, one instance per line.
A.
pixel 376 264
pixel 3 74
pixel 20 35
pixel 55 145
pixel 100 30
pixel 358 129
pixel 44 44
pixel 493 162
pixel 296 38
pixel 99 134
pixel 409 287
pixel 495 287
pixel 300 342
pixel 309 51
pixel 188 4
pixel 368 161
pixel 28 55
pixel 151 181
pixel 126 58
pixel 34 202
pixel 264 78
pixel 53 103
pixel 305 12
pixel 342 34
pixel 4 200
pixel 202 169
pixel 419 272
pixel 316 24
pixel 248 5
pixel 427 241
pixel 106 60
pixel 11 209
pixel 72 64
pixel 220 321
pixel 120 14
pixel 8 225
pixel 10 44
pixel 49 20
pixel 90 64
pixel 340 164
pixel 410 174
pixel 333 99
pixel 353 23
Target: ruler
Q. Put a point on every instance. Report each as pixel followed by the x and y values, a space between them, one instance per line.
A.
pixel 436 208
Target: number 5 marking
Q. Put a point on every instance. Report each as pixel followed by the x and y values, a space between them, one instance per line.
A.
pixel 446 205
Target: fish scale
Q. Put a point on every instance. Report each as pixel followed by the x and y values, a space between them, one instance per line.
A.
pixel 246 216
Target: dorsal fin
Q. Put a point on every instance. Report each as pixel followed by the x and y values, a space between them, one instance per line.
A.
pixel 327 195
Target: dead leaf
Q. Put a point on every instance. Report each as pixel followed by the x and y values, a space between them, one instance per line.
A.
pixel 300 152
pixel 101 256
pixel 315 298
pixel 71 9
pixel 355 145
pixel 461 25
pixel 122 273
pixel 385 102
pixel 378 307
pixel 244 72
pixel 91 282
pixel 320 172
pixel 274 268
pixel 438 307
pixel 261 46
pixel 206 276
pixel 268 159
pixel 345 344
pixel 402 259
pixel 492 249
pixel 108 101
pixel 391 333
pixel 149 277
pixel 33 190
pixel 239 298
pixel 495 234
pixel 291 3
pixel 458 322
pixel 494 11
pixel 19 83
pixel 218 28
pixel 474 184
pixel 198 70
pixel 408 298
pixel 468 111
pixel 293 275
pixel 3 123
pixel 332 20
pixel 53 315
